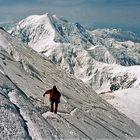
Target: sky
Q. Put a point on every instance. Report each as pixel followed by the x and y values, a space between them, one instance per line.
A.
pixel 123 14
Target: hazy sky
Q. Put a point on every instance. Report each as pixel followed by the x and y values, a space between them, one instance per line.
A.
pixel 97 13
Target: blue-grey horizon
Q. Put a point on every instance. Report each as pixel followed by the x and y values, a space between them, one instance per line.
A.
pixel 123 14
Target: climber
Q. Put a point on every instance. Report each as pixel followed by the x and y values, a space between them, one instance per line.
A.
pixel 54 97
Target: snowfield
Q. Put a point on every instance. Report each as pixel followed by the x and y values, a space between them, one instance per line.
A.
pixel 126 101
pixel 25 75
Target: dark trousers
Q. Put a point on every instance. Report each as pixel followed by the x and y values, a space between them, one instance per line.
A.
pixel 54 109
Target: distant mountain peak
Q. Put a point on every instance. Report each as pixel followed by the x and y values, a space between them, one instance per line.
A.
pixel 90 56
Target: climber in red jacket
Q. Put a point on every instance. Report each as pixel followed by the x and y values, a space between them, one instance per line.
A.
pixel 54 97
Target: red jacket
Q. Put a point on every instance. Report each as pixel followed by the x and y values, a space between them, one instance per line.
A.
pixel 54 95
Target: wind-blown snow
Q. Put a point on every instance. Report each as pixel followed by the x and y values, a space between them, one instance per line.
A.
pixel 82 113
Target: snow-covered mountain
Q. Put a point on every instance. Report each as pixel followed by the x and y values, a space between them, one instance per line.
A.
pixel 24 77
pixel 117 34
pixel 105 45
pixel 124 46
pixel 94 57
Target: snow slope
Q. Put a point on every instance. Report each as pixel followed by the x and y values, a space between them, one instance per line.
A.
pixel 93 57
pixel 24 77
pixel 126 101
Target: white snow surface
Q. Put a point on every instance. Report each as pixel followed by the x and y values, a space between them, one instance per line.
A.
pixel 127 101
pixel 94 57
pixel 25 75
